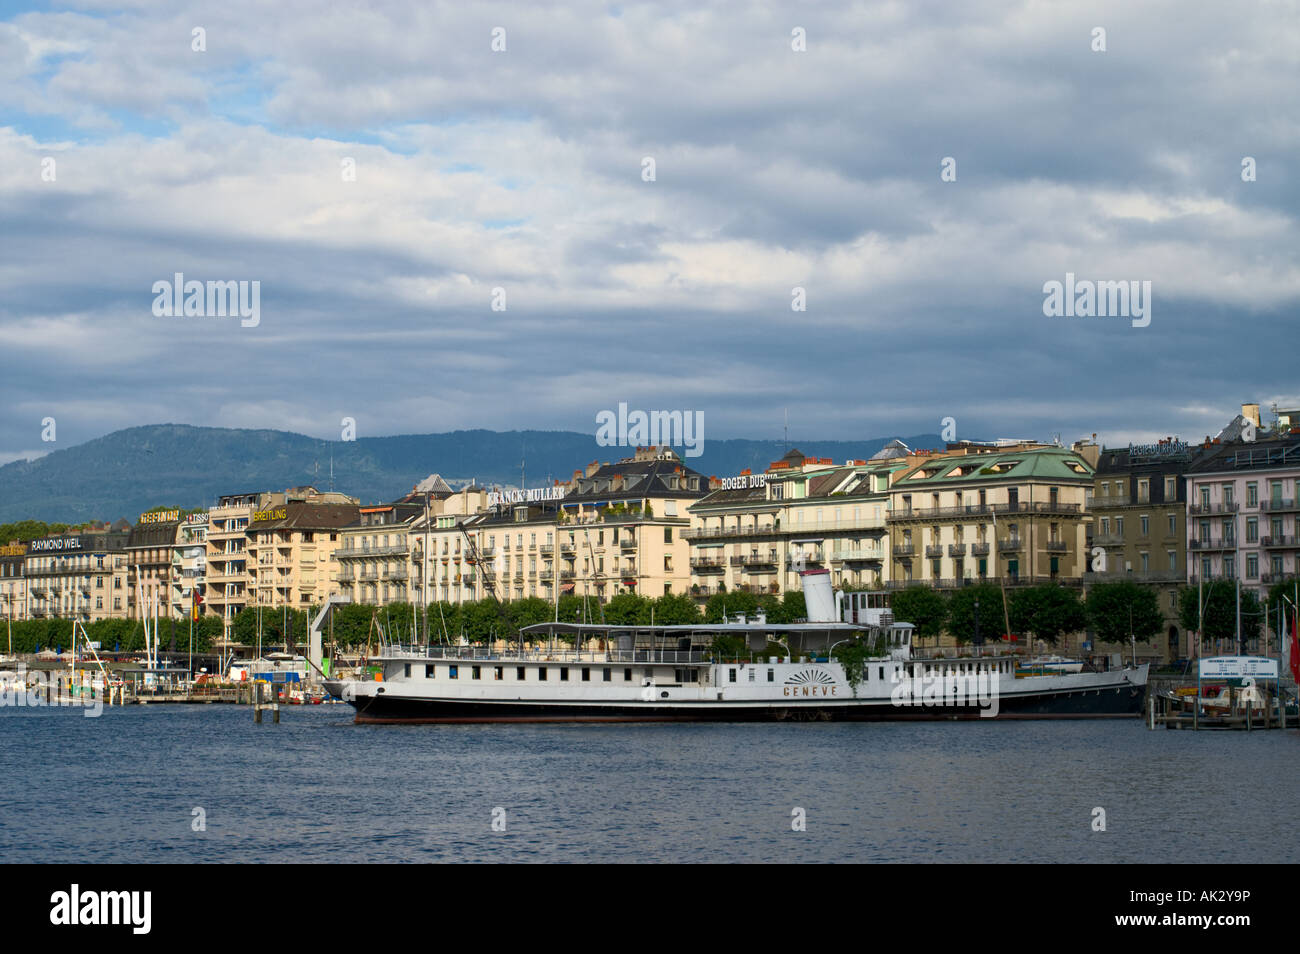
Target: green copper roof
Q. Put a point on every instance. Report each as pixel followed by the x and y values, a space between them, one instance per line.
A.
pixel 1051 463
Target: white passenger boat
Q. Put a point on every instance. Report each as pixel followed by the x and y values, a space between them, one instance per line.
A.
pixel 671 673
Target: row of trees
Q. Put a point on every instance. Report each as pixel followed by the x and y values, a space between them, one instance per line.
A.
pixel 113 635
pixel 1111 610
pixel 1114 611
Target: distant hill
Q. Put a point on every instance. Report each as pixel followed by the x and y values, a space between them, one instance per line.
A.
pixel 127 472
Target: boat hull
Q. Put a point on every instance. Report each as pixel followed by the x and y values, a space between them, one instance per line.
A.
pixel 1123 700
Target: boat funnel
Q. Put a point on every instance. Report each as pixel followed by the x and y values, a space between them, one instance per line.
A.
pixel 818 596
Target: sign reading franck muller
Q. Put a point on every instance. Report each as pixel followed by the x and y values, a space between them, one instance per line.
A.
pixel 498 497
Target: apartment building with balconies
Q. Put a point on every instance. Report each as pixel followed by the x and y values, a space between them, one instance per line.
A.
pixel 754 533
pixel 619 526
pixel 13 584
pixel 374 554
pixel 1139 524
pixel 227 583
pixel 989 513
pixel 189 564
pixel 80 575
pixel 1243 509
pixel 291 548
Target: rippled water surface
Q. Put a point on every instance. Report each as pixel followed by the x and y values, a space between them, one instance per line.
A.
pixel 124 787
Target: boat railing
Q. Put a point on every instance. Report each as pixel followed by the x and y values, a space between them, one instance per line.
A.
pixel 483 653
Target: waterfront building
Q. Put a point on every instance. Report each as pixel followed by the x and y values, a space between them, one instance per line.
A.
pixel 1139 522
pixel 754 533
pixel 1243 505
pixel 149 562
pixel 619 529
pixel 79 575
pixel 13 584
pixel 227 578
pixel 189 564
pixel 987 513
pixel 374 554
pixel 291 548
pixel 440 555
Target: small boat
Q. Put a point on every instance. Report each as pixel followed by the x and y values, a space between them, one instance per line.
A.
pixel 1048 666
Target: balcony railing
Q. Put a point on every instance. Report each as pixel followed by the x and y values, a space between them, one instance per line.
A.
pixel 979 549
pixel 1279 505
pixel 852 554
pixel 975 510
pixel 1057 546
pixel 956 549
pixel 1282 542
pixel 1213 544
pixel 1214 508
pixel 904 550
pixel 1010 545
pixel 699 533
pixel 934 551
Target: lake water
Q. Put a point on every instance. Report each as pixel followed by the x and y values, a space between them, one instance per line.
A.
pixel 124 788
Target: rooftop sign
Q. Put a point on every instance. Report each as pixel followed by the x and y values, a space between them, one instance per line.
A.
pixel 55 544
pixel 275 513
pixel 498 497
pixel 160 516
pixel 744 482
pixel 1161 451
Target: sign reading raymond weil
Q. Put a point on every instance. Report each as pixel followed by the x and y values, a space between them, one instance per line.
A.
pixel 55 544
pixel 1237 667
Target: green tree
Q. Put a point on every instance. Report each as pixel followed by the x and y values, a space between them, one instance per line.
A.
pixel 722 605
pixel 676 609
pixel 1220 611
pixel 961 612
pixel 528 612
pixel 1122 607
pixel 627 609
pixel 1048 611
pixel 923 607
pixel 794 606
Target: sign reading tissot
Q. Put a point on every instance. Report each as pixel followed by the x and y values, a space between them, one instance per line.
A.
pixel 497 498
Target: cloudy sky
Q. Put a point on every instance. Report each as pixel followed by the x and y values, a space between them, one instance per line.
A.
pixel 524 169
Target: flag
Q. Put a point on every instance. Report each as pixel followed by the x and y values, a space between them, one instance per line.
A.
pixel 194 606
pixel 1294 647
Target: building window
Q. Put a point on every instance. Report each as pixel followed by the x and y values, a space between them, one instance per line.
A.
pixel 1252 566
pixel 430 672
pixel 519 673
pixel 731 675
pixel 607 675
pixel 541 673
pixel 627 674
pixel 475 672
pixel 586 674
pixel 1252 495
pixel 564 674
pixel 771 675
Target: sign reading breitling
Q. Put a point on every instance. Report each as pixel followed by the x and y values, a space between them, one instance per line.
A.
pixel 498 497
pixel 276 513
pixel 13 549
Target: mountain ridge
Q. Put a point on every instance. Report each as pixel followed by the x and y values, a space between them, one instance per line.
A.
pixel 128 471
